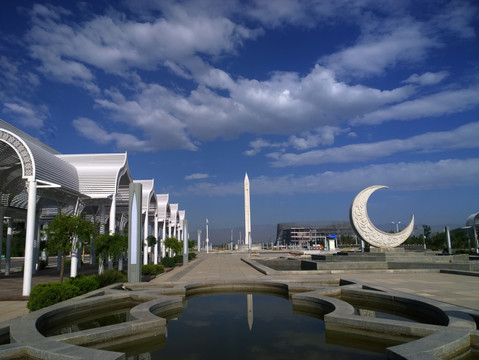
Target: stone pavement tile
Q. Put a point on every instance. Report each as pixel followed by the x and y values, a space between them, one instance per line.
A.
pixel 12 309
pixel 455 289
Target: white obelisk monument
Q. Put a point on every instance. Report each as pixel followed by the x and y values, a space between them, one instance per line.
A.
pixel 247 211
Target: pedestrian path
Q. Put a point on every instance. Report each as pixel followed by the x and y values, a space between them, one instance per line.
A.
pixel 455 289
pixel 211 267
pixel 12 303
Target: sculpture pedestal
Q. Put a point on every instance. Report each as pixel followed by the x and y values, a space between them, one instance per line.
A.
pixel 377 250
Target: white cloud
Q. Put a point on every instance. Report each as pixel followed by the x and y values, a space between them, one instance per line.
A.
pixel 427 78
pixel 150 112
pixel 283 104
pixel 114 44
pixel 14 76
pixel 188 38
pixel 323 135
pixel 29 115
pixel 464 137
pixel 123 141
pixel 197 176
pixel 400 176
pixel 457 17
pixel 257 146
pixel 442 103
pixel 374 53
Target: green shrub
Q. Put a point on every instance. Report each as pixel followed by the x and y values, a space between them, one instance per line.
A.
pixel 111 276
pixel 191 256
pixel 44 295
pixel 168 262
pixel 85 283
pixel 152 269
pixel 179 259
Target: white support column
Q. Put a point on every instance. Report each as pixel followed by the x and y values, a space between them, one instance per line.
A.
pixel 74 250
pixel 163 237
pixel 102 219
pixel 113 214
pixel 112 227
pixel 36 243
pixel 145 241
pixel 31 212
pixel 101 262
pixel 199 241
pixel 2 214
pixel 185 242
pixel 9 245
pixel 155 257
pixel 74 258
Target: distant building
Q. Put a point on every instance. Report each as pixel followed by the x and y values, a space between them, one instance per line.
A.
pixel 305 235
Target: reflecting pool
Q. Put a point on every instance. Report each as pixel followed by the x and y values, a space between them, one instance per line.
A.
pixel 240 326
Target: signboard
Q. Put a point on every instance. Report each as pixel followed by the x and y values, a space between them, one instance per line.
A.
pixel 333 236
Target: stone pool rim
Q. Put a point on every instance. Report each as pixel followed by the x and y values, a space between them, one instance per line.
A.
pixel 457 335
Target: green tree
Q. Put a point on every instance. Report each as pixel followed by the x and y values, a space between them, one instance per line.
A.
pixel 63 232
pixel 101 244
pixel 118 245
pixel 110 246
pixel 174 245
pixel 151 240
pixel 427 231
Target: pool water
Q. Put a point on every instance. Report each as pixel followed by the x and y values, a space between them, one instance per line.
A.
pixel 218 327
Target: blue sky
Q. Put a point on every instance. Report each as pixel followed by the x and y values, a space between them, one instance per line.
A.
pixel 316 100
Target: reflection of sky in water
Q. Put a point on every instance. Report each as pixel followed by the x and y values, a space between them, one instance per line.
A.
pixel 216 327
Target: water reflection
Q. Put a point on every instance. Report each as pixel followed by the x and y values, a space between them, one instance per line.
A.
pixel 249 305
pixel 214 327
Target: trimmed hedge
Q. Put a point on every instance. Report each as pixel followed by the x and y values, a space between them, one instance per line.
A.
pixel 84 283
pixel 168 262
pixel 112 276
pixel 44 295
pixel 152 269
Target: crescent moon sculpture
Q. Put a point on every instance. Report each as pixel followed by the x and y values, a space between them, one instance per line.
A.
pixel 366 230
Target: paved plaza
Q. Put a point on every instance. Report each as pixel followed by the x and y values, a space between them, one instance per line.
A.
pixel 455 289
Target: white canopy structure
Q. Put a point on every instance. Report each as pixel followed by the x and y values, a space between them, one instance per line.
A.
pixel 104 181
pixel 472 222
pixel 149 211
pixel 163 217
pixel 173 220
pixel 37 182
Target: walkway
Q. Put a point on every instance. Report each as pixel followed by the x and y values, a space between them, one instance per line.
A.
pixel 455 289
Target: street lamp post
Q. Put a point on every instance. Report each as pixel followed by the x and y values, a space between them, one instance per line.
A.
pixel 397 225
pixel 207 238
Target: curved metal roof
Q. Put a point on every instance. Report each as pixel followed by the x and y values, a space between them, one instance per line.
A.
pixel 163 206
pixel 181 217
pixel 148 198
pixel 100 175
pixel 173 214
pixel 473 219
pixel 39 162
